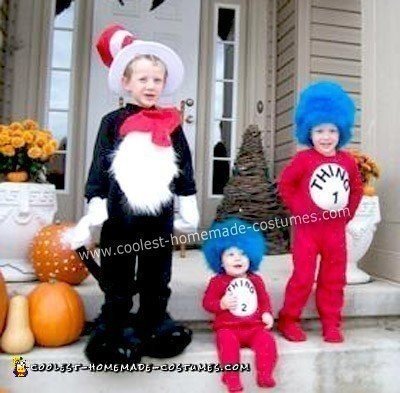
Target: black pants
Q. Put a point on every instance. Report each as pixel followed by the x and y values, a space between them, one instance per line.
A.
pixel 136 258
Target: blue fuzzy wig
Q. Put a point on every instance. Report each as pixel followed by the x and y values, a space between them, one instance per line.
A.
pixel 324 102
pixel 225 234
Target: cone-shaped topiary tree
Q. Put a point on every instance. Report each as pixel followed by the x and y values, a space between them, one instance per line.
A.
pixel 250 194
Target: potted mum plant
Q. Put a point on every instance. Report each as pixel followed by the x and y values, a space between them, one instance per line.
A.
pixel 361 229
pixel 27 201
pixel 24 151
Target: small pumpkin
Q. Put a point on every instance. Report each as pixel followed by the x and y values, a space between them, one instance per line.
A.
pixel 17 177
pixel 3 303
pixel 53 260
pixel 18 337
pixel 57 314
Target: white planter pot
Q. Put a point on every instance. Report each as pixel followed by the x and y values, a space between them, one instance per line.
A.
pixel 365 221
pixel 24 209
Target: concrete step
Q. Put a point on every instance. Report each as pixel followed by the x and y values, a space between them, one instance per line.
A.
pixel 190 278
pixel 367 362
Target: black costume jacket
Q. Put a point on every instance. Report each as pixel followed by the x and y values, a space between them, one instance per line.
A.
pixel 101 183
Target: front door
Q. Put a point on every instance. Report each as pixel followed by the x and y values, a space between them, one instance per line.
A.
pixel 174 23
pixel 223 104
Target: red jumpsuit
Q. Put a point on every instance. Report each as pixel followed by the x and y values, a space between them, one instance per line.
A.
pixel 234 332
pixel 311 186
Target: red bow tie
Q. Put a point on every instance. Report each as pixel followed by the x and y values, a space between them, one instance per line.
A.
pixel 161 122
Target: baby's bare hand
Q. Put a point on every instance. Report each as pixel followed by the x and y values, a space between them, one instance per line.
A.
pixel 229 302
pixel 268 319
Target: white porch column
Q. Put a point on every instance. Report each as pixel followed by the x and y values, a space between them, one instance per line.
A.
pixel 381 127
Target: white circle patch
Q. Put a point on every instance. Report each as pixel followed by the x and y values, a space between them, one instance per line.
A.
pixel 330 187
pixel 246 295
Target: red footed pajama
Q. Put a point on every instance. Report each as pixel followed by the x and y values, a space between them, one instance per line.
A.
pixel 309 241
pixel 260 340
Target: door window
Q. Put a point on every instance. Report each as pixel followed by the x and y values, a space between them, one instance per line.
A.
pixel 58 114
pixel 224 90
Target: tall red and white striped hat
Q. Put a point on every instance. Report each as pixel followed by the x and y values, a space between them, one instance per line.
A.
pixel 117 47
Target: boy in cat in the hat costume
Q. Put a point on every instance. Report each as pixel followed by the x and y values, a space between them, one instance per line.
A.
pixel 239 300
pixel 318 181
pixel 141 158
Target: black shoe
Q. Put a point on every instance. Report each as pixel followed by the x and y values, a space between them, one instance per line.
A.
pixel 113 346
pixel 166 340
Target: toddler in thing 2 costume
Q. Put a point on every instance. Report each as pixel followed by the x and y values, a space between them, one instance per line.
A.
pixel 238 299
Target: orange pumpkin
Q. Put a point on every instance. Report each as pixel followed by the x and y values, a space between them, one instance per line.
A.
pixel 17 177
pixel 3 303
pixel 53 260
pixel 56 314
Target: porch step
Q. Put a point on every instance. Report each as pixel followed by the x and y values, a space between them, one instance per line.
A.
pixel 190 277
pixel 367 362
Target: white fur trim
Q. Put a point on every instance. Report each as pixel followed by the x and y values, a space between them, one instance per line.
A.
pixel 144 172
pixel 116 41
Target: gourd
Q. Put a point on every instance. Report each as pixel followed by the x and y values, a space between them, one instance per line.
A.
pixel 3 303
pixel 57 314
pixel 18 337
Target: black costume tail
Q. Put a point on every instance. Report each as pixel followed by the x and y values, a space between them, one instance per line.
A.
pixel 90 263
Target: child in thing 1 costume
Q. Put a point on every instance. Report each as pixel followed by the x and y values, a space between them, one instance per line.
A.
pixel 141 158
pixel 239 300
pixel 320 179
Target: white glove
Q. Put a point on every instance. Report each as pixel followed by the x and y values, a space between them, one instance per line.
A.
pixel 189 214
pixel 97 211
pixel 80 235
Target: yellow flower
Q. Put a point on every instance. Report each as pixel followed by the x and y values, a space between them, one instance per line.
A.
pixel 17 142
pixel 28 136
pixel 5 131
pixel 30 124
pixel 34 152
pixel 48 149
pixel 40 141
pixel 54 143
pixel 47 133
pixel 4 139
pixel 8 150
pixel 16 133
pixel 16 126
pixel 44 134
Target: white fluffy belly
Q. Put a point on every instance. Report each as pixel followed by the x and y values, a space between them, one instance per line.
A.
pixel 144 172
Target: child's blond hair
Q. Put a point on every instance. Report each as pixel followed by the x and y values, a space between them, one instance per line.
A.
pixel 154 59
